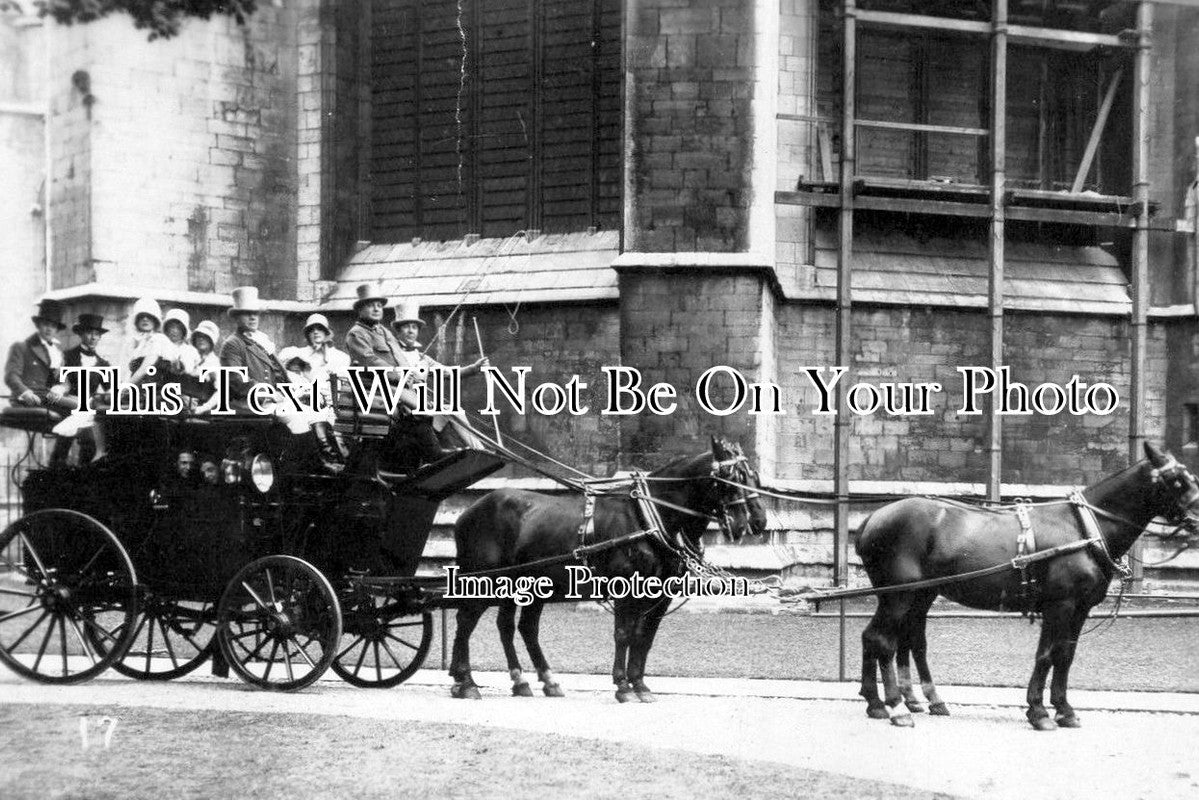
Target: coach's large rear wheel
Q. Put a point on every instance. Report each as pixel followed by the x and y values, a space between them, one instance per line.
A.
pixel 279 623
pixel 171 639
pixel 65 583
pixel 380 650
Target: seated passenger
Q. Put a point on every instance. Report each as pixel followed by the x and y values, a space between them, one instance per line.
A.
pixel 371 344
pixel 253 350
pixel 183 359
pixel 407 326
pixel 89 328
pixel 147 347
pixel 204 338
pixel 32 370
pixel 210 470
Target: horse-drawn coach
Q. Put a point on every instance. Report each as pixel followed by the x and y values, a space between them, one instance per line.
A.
pixel 141 563
pixel 272 565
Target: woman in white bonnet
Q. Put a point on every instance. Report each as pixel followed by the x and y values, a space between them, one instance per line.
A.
pixel 146 344
pixel 184 359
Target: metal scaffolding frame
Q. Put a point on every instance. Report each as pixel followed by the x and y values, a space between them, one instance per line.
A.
pixel 1001 33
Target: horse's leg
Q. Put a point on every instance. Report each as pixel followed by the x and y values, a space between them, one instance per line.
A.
pixel 1063 659
pixel 530 631
pixel 623 620
pixel 918 642
pixel 1055 628
pixel 875 708
pixel 884 634
pixel 647 628
pixel 464 685
pixel 505 621
pixel 903 668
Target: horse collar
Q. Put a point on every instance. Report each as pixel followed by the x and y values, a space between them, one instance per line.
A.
pixel 1094 535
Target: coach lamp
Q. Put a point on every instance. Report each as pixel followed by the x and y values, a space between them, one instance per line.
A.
pixel 258 468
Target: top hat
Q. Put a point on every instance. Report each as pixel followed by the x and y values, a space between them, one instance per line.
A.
pixel 148 306
pixel 368 292
pixel 207 328
pixel 245 301
pixel 318 320
pixel 408 312
pixel 89 322
pixel 50 311
pixel 180 316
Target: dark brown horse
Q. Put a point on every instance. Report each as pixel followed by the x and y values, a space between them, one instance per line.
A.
pixel 510 527
pixel 924 538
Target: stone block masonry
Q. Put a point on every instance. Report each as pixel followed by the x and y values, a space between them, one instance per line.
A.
pixel 690 119
pixel 174 160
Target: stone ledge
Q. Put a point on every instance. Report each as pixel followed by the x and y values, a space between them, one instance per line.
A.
pixel 109 291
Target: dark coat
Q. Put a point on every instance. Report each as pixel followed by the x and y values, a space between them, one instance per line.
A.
pixel 74 358
pixel 28 370
pixel 263 367
pixel 372 345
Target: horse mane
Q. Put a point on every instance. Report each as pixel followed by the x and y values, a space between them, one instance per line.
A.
pixel 675 465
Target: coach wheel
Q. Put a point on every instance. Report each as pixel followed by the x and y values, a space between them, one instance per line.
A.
pixel 279 623
pixel 171 639
pixel 380 650
pixel 66 582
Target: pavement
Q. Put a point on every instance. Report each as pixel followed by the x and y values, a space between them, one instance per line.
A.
pixel 1131 744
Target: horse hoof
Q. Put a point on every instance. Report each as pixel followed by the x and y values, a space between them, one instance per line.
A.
pixel 625 693
pixel 521 690
pixel 646 696
pixel 903 721
pixel 914 706
pixel 877 711
pixel 939 710
pixel 553 690
pixel 1067 721
pixel 460 692
pixel 1043 724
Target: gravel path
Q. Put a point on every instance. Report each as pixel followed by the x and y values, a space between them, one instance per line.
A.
pixel 981 751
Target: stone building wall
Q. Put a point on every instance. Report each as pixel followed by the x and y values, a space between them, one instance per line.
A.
pixel 174 159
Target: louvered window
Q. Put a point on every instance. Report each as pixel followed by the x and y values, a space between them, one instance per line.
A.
pixel 494 116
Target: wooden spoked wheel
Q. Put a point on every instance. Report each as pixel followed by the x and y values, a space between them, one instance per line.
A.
pixel 66 582
pixel 279 623
pixel 171 639
pixel 381 648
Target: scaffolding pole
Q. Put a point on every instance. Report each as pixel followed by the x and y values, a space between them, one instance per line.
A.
pixel 1141 76
pixel 841 429
pixel 999 36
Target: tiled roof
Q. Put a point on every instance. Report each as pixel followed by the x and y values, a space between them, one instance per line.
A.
pixel 552 267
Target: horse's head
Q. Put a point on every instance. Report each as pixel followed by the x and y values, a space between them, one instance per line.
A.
pixel 739 506
pixel 1177 490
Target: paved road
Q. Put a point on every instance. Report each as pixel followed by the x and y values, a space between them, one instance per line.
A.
pixel 985 749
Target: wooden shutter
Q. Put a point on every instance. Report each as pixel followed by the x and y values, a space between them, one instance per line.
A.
pixel 525 132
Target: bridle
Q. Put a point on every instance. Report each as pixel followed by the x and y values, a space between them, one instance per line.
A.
pixel 737 473
pixel 1176 478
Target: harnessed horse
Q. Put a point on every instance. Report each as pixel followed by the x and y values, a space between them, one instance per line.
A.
pixel 1078 543
pixel 523 533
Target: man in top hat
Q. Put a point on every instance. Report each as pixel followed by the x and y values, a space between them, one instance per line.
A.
pixel 253 350
pixel 32 370
pixel 371 344
pixel 89 328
